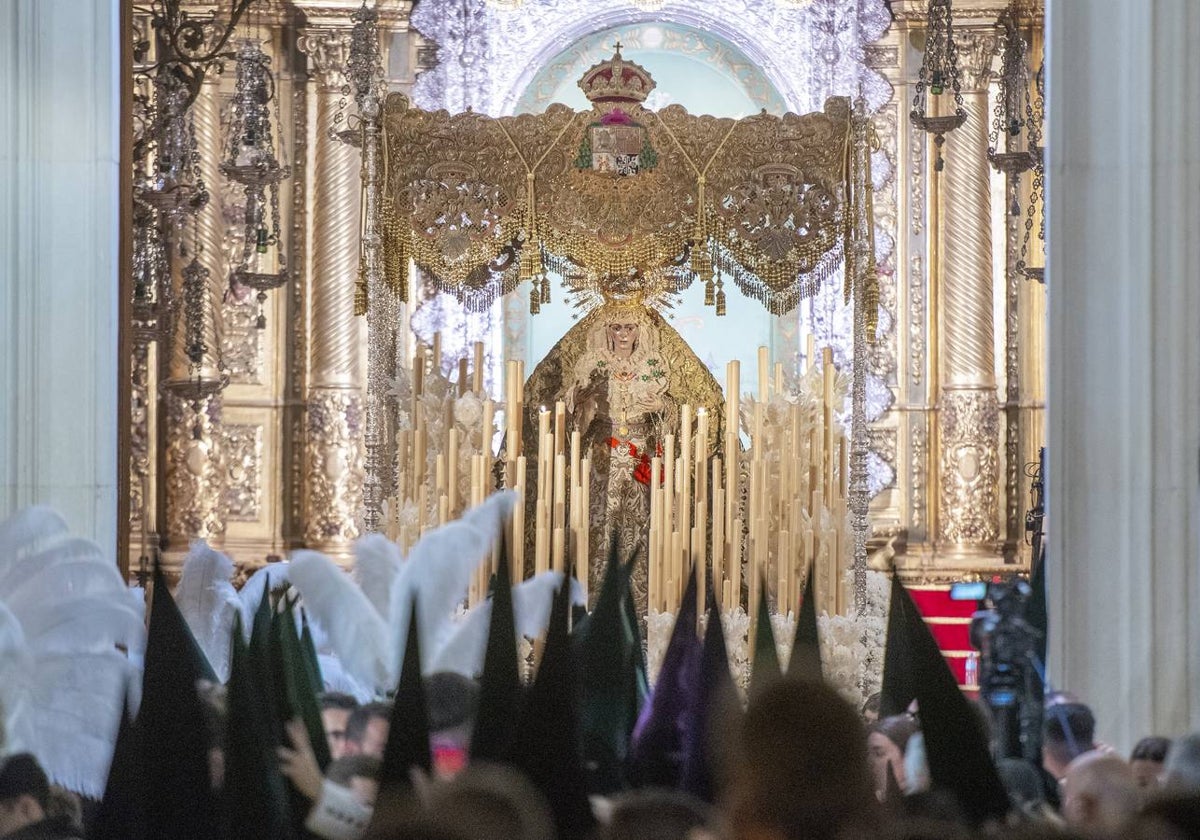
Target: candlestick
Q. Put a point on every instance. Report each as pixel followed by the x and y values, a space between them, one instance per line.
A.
pixel 764 370
pixel 685 433
pixel 829 373
pixel 735 561
pixel 560 489
pixel 487 428
pixel 560 426
pixel 575 475
pixel 669 481
pixel 518 544
pixel 512 423
pixel 654 570
pixel 732 441
pixel 718 544
pixel 843 467
pixel 558 547
pixel 540 551
pixel 583 562
pixel 477 373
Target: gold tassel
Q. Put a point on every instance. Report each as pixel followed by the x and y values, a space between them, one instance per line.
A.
pixel 531 263
pixel 535 301
pixel 702 264
pixel 395 252
pixel 545 289
pixel 531 251
pixel 709 293
pixel 721 303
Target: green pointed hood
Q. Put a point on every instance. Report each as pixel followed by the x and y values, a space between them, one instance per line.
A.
pixel 640 691
pixel 296 683
pixel 262 667
pixel 255 793
pixel 608 678
pixel 312 662
pixel 806 647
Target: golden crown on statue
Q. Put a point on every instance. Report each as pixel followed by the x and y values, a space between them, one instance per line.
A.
pixel 616 81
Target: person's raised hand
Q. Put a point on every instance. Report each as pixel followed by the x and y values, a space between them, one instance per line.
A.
pixel 299 763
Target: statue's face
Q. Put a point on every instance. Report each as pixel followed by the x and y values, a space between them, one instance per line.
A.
pixel 622 337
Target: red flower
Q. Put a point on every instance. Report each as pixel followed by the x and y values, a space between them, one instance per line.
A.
pixel 641 473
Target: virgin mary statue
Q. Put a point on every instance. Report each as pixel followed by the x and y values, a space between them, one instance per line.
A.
pixel 623 373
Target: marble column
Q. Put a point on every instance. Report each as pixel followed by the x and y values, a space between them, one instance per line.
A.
pixel 334 447
pixel 195 468
pixel 1123 414
pixel 968 420
pixel 59 73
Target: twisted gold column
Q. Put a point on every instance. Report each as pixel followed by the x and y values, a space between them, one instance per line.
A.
pixel 968 413
pixel 195 473
pixel 334 448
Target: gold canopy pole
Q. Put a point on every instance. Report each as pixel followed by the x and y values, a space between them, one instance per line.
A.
pixel 860 262
pixel 366 74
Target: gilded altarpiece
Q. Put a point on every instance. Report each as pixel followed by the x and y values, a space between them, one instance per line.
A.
pixel 266 426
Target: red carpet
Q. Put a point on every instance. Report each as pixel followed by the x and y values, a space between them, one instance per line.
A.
pixel 950 622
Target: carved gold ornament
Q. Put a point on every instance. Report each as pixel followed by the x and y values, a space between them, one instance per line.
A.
pixel 619 195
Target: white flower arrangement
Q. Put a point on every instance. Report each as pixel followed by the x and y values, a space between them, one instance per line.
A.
pixel 468 411
pixel 851 644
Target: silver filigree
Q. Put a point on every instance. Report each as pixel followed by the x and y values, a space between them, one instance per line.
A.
pixel 487 56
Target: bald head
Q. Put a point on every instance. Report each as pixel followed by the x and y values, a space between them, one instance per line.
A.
pixel 1181 775
pixel 1100 793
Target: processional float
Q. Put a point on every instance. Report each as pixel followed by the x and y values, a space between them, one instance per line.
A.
pixel 621 202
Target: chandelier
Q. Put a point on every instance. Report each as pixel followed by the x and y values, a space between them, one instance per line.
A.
pixel 1035 211
pixel 169 189
pixel 172 182
pixel 250 159
pixel 939 77
pixel 1015 133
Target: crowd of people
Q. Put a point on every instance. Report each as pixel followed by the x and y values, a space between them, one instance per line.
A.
pixel 584 749
pixel 802 765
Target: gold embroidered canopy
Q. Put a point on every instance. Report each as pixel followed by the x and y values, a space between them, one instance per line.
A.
pixel 623 197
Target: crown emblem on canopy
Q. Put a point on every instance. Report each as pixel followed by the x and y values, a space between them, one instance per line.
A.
pixel 616 81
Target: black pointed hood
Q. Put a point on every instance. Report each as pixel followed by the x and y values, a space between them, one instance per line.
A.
pixel 500 682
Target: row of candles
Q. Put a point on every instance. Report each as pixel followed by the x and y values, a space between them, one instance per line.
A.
pixel 767 512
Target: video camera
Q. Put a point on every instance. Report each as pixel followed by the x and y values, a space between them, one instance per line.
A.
pixel 1036 515
pixel 1008 680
